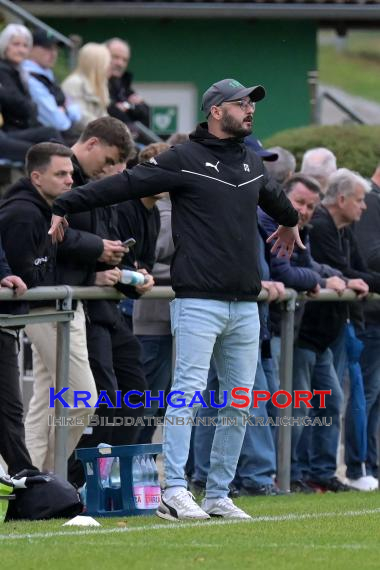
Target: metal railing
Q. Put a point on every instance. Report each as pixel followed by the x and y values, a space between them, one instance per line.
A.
pixel 26 16
pixel 65 295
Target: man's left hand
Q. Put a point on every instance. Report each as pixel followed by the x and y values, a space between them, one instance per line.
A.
pixel 285 239
pixel 14 282
pixel 275 289
pixel 57 228
pixel 149 282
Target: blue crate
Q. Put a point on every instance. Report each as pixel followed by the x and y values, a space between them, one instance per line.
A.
pixel 107 501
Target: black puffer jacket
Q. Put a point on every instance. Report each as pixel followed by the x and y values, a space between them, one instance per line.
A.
pixel 18 109
pixel 215 186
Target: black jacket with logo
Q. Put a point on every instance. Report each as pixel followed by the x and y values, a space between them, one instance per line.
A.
pixel 24 221
pixel 215 186
pixel 25 218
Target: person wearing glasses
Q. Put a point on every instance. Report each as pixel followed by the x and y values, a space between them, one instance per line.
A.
pixel 215 184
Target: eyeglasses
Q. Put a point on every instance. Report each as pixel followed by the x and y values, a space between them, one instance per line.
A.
pixel 244 104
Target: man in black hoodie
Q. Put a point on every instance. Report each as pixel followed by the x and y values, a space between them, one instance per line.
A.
pixel 114 352
pixel 12 439
pixel 215 184
pixel 24 218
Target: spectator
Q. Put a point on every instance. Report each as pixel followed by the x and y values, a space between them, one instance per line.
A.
pixel 254 143
pixel 319 163
pixel 87 85
pixel 151 319
pixel 53 108
pixel 24 217
pixel 140 219
pixel 311 371
pixel 12 439
pixel 333 242
pixel 368 236
pixel 114 352
pixel 126 104
pixel 282 168
pixel 17 108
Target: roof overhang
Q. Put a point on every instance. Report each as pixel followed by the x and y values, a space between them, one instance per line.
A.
pixel 255 10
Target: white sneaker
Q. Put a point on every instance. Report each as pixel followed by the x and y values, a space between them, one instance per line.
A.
pixel 180 506
pixel 374 481
pixel 223 507
pixel 367 483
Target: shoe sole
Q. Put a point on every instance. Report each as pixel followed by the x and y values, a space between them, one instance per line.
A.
pixel 170 517
pixel 212 515
pixel 166 516
pixel 231 518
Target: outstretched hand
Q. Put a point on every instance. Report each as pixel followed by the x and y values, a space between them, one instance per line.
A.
pixel 57 228
pixel 284 239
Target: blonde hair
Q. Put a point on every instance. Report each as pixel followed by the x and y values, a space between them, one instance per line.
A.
pixel 93 63
pixel 11 31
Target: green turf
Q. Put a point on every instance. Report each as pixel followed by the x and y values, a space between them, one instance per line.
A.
pixel 301 531
pixel 353 73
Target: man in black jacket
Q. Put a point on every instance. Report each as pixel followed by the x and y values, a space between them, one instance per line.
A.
pixel 24 217
pixel 215 185
pixel 332 242
pixel 126 105
pixel 12 438
pixel 114 352
pixel 367 234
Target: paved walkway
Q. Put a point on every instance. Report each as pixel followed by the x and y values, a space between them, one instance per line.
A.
pixel 368 111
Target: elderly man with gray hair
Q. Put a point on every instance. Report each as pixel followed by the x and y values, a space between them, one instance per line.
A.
pixel 282 168
pixel 333 242
pixel 319 163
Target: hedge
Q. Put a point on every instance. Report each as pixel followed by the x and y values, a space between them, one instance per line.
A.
pixel 356 146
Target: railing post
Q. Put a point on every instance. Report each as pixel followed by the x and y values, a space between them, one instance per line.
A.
pixel 62 380
pixel 286 383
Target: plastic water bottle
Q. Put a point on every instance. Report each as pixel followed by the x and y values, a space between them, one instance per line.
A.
pixel 138 483
pixel 105 466
pixel 149 483
pixel 155 483
pixel 83 496
pixel 129 277
pixel 115 474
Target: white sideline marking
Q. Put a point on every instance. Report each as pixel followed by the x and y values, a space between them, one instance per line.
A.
pixel 179 525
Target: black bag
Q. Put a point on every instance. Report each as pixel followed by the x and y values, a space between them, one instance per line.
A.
pixel 50 497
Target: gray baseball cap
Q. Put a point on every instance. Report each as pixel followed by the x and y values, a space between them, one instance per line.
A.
pixel 229 90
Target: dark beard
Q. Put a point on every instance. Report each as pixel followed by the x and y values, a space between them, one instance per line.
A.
pixel 230 126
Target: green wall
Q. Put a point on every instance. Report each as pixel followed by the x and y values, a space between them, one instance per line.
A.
pixel 277 54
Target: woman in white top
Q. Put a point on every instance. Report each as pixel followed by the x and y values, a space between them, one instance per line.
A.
pixel 87 85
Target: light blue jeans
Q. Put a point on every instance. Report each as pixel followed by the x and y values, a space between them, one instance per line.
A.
pixel 201 328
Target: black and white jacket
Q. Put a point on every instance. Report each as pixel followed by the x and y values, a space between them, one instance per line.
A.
pixel 215 186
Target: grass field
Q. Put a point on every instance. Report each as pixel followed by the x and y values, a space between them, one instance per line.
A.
pixel 290 532
pixel 355 69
